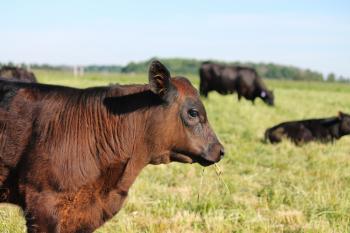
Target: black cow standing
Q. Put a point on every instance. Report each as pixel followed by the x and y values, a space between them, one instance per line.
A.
pixel 229 79
pixel 322 130
pixel 17 74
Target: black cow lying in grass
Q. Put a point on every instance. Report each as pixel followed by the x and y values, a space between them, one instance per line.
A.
pixel 322 130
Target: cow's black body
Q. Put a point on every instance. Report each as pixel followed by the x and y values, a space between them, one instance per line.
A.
pixel 322 130
pixel 229 79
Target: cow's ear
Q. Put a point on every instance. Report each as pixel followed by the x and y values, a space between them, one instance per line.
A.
pixel 160 80
pixel 340 115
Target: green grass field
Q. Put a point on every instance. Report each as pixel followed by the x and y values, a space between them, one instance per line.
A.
pixel 262 188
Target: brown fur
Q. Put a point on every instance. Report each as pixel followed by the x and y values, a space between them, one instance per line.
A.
pixel 86 147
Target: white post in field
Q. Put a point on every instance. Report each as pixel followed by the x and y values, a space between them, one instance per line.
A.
pixel 75 71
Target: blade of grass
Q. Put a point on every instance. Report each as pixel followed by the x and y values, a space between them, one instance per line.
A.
pixel 219 174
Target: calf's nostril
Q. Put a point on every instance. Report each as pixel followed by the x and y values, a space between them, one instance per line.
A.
pixel 222 152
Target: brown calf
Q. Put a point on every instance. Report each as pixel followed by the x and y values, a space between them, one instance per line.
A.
pixel 87 146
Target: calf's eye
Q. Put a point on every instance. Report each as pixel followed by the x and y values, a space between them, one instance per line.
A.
pixel 193 113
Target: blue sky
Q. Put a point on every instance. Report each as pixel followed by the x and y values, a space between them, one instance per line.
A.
pixel 308 34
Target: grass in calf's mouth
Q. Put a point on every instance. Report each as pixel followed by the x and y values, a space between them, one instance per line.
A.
pixel 218 173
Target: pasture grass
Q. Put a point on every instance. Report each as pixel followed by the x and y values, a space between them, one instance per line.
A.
pixel 262 187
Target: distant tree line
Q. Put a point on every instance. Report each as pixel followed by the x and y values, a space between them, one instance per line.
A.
pixel 191 66
pixel 88 68
pixel 103 68
pixel 266 70
pixel 176 65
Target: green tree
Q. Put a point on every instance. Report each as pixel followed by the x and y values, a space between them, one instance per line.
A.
pixel 331 77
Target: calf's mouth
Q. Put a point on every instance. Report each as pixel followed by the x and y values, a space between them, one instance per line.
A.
pixel 186 157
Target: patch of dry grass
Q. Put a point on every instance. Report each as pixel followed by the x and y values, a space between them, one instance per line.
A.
pixel 272 188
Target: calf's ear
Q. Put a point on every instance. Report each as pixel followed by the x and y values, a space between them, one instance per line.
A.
pixel 160 80
pixel 340 115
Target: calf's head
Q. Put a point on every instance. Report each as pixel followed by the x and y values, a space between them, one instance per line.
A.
pixel 344 123
pixel 178 128
pixel 268 97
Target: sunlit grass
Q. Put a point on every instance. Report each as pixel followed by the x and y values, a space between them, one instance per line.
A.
pixel 272 188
